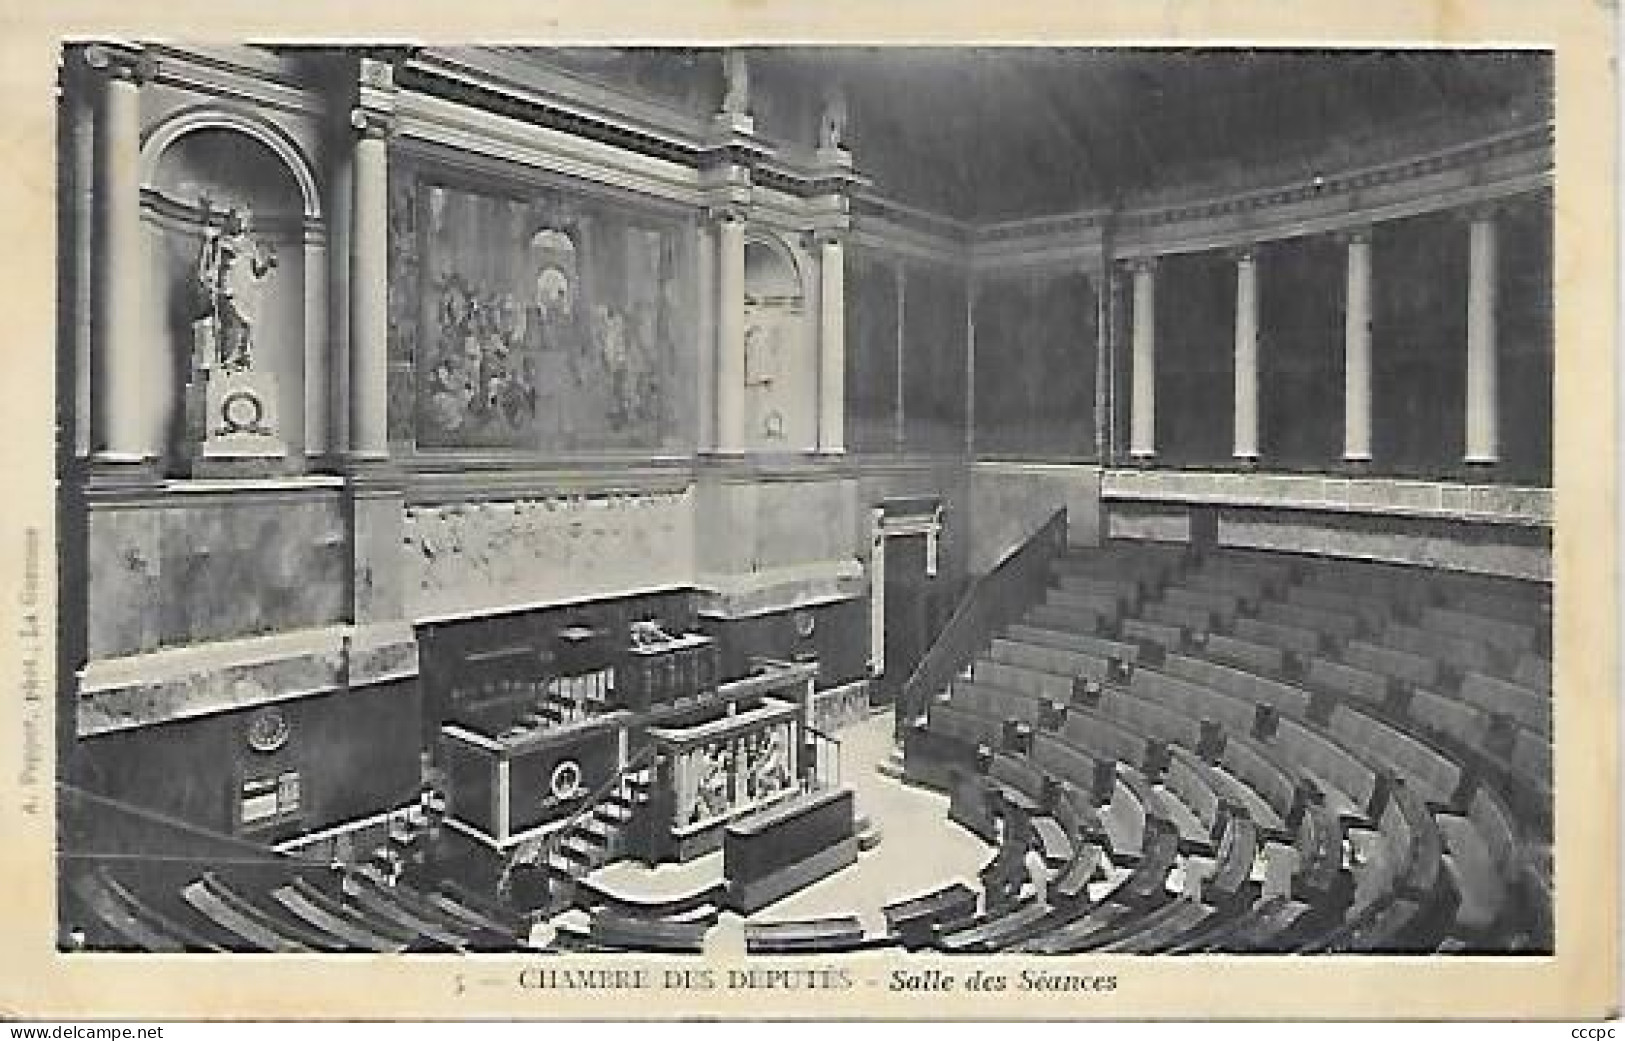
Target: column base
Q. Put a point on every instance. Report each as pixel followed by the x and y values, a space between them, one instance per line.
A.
pixel 1142 459
pixel 1478 468
pixel 371 471
pixel 1356 466
pixel 1247 463
pixel 112 471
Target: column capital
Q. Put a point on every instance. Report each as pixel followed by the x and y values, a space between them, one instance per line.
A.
pixel 1357 235
pixel 376 71
pixel 1483 212
pixel 369 122
pixel 725 213
pixel 820 237
pixel 1141 265
pixel 123 63
pixel 1247 253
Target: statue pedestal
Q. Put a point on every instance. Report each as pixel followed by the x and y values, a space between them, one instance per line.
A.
pixel 733 123
pixel 232 425
pixel 833 157
pixel 231 415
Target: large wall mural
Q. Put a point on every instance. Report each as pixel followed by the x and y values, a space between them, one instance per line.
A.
pixel 545 320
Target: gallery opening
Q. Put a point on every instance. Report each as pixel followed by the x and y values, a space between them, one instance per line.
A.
pixel 775 500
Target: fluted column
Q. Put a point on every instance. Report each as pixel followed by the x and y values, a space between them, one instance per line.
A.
pixel 1143 392
pixel 1483 413
pixel 335 376
pixel 80 179
pixel 369 288
pixel 972 287
pixel 1357 349
pixel 730 392
pixel 117 264
pixel 832 347
pixel 1246 360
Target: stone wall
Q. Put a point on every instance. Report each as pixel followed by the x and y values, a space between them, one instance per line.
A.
pixel 193 569
pixel 470 558
pixel 1010 501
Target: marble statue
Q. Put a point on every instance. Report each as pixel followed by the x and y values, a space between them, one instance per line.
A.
pixel 832 122
pixel 231 268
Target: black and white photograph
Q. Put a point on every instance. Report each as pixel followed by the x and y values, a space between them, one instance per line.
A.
pixel 778 504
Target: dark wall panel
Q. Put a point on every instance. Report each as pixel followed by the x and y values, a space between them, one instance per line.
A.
pixel 1525 341
pixel 871 351
pixel 839 639
pixel 1301 285
pixel 1419 345
pixel 1195 358
pixel 933 357
pixel 356 754
pixel 1035 365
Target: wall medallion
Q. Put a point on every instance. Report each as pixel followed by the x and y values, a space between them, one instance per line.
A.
pixel 268 730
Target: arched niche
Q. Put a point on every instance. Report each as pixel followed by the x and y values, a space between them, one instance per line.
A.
pixel 194 167
pixel 781 364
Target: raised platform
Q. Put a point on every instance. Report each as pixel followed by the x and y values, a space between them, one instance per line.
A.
pixel 921 850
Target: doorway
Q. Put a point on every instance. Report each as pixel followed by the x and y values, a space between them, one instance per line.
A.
pixel 910 603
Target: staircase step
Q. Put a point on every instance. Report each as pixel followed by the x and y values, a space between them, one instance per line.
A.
pixel 590 836
pixel 611 812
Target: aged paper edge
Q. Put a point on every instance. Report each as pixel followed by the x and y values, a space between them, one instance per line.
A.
pixel 1581 980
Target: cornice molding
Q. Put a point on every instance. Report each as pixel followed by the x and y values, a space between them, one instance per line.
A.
pixel 544 98
pixel 469 480
pixel 120 61
pixel 506 140
pixel 207 679
pixel 233 75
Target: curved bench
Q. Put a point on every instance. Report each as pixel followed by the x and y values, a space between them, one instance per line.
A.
pixel 1510 636
pixel 1530 708
pixel 1223 604
pixel 1242 653
pixel 1163 927
pixel 1084 643
pixel 835 935
pixel 1239 684
pixel 252 930
pixel 1101 603
pixel 321 911
pixel 617 932
pixel 913 919
pixel 1062 662
pixel 1319 619
pixel 1070 619
pixel 1182 616
pixel 996 931
pixel 1418 670
pixel 1373 611
pixel 129 918
pixel 1436 776
pixel 1293 639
